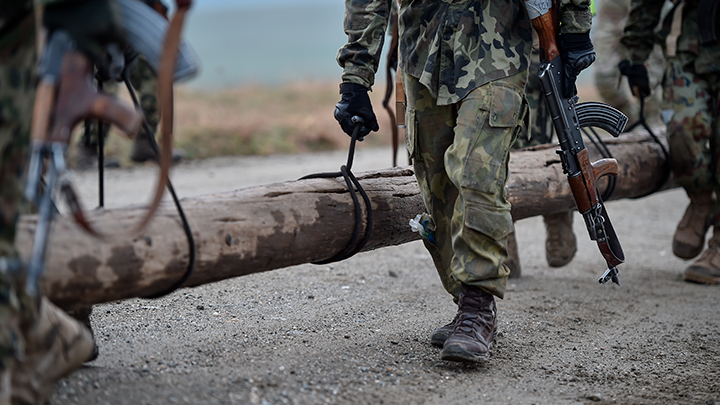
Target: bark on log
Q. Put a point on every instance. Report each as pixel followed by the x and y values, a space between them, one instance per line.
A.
pixel 284 224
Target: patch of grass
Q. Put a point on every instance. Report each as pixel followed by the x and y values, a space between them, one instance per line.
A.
pixel 262 120
pixel 254 120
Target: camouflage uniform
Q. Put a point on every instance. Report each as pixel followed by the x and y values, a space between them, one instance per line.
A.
pixel 691 90
pixel 465 67
pixel 607 28
pixel 17 96
pixel 56 344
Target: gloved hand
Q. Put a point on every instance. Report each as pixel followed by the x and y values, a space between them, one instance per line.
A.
pixel 355 101
pixel 93 24
pixel 637 76
pixel 577 53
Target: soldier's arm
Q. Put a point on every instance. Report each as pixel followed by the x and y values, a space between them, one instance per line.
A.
pixel 638 36
pixel 575 16
pixel 365 24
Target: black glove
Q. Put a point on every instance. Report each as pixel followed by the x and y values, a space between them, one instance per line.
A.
pixel 637 76
pixel 577 53
pixel 93 24
pixel 355 102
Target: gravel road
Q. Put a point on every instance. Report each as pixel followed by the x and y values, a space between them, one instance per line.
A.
pixel 356 332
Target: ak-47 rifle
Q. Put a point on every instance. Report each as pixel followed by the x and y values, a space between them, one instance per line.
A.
pixel 568 117
pixel 65 96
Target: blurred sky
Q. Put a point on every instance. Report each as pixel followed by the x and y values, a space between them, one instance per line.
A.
pixel 230 4
pixel 265 41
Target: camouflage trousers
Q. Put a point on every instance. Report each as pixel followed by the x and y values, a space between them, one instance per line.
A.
pixel 17 96
pixel 460 153
pixel 694 129
pixel 144 81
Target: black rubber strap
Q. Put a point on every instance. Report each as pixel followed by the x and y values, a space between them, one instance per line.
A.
pixel 353 246
pixel 186 225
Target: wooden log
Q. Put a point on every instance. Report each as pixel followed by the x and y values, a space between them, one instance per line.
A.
pixel 537 185
pixel 284 224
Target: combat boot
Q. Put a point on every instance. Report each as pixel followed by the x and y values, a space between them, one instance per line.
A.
pixel 142 151
pixel 706 270
pixel 690 234
pixel 86 157
pixel 55 346
pixel 475 327
pixel 82 315
pixel 513 261
pixel 560 241
pixel 440 335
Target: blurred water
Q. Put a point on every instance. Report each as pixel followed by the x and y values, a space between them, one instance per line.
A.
pixel 267 44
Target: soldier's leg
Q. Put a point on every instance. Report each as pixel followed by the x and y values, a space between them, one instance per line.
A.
pixel 24 354
pixel 144 82
pixel 16 105
pixel 706 269
pixel 488 121
pixel 560 241
pixel 691 156
pixel 86 149
pixel 487 125
pixel 429 134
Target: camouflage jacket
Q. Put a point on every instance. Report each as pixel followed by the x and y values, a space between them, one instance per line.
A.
pixel 642 32
pixel 451 46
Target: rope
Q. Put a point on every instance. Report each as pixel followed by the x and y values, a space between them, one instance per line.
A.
pixel 353 246
pixel 186 225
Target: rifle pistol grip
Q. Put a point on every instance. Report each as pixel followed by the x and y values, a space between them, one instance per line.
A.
pixel 604 167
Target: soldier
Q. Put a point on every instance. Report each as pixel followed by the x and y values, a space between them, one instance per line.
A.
pixel 144 81
pixel 607 28
pixel 464 69
pixel 39 343
pixel 691 91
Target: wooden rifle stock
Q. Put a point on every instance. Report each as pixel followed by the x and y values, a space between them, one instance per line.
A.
pixel 544 25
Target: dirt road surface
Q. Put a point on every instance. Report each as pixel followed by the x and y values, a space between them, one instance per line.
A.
pixel 356 332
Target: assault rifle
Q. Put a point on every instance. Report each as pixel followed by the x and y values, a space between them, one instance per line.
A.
pixel 65 96
pixel 568 117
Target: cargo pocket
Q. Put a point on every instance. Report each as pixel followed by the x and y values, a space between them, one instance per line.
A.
pixel 496 223
pixel 486 163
